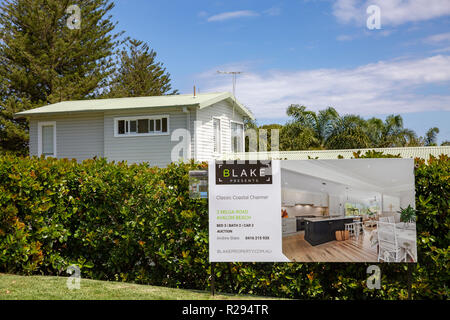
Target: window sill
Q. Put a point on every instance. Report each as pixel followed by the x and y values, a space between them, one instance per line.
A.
pixel 141 135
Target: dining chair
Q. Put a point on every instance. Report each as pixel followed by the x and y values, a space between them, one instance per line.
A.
pixel 389 248
pixel 358 228
pixel 391 219
pixel 383 219
pixel 408 252
pixel 350 227
pixel 371 222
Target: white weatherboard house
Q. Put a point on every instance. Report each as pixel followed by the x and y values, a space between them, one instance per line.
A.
pixel 142 129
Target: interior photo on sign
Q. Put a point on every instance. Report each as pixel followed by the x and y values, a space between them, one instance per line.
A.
pixel 348 210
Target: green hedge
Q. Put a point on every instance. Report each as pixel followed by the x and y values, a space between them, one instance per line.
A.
pixel 136 223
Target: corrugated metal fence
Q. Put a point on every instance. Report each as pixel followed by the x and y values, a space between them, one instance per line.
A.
pixel 408 152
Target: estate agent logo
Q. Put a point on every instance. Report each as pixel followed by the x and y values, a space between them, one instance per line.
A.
pixel 244 172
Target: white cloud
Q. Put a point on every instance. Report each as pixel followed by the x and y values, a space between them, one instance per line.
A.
pixel 232 15
pixel 438 38
pixel 393 12
pixel 347 10
pixel 274 11
pixel 376 88
pixel 442 50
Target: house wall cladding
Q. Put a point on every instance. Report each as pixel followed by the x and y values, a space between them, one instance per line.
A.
pixel 85 135
pixel 33 143
pixel 193 118
pixel 153 149
pixel 224 111
pixel 78 136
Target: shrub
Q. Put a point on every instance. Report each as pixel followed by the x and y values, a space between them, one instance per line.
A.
pixel 137 223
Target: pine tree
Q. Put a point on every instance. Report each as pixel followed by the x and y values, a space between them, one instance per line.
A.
pixel 139 73
pixel 13 132
pixel 44 61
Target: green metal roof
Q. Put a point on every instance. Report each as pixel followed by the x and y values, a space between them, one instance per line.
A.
pixel 95 105
pixel 407 152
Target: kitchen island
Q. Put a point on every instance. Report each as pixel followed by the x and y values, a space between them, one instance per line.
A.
pixel 320 230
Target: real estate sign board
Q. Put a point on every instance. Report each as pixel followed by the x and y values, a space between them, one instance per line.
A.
pixel 343 210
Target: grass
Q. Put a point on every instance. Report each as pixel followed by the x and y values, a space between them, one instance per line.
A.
pixel 14 287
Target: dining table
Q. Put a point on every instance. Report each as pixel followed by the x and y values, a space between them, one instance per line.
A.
pixel 371 222
pixel 406 238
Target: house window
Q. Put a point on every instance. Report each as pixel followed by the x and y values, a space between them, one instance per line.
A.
pixel 216 135
pixel 121 127
pixel 237 137
pixel 152 125
pixel 164 124
pixel 47 139
pixel 142 126
pixel 133 126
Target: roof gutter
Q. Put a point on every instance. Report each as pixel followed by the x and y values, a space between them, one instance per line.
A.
pixel 24 114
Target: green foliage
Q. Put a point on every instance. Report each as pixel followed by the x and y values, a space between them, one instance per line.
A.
pixel 266 138
pixel 294 136
pixel 118 222
pixel 389 133
pixel 320 124
pixel 348 133
pixel 139 73
pixel 430 138
pixel 407 214
pixel 43 61
pixel 326 129
pixel 136 223
pixel 373 154
pixel 433 225
pixel 14 134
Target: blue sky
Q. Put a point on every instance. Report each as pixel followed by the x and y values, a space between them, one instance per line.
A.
pixel 313 52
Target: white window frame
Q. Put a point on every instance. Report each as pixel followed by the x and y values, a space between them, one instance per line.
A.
pixel 136 118
pixel 231 136
pixel 39 136
pixel 220 135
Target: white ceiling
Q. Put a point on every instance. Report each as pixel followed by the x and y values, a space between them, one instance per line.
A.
pixel 365 176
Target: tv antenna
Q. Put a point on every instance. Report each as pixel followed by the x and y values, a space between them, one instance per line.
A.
pixel 233 74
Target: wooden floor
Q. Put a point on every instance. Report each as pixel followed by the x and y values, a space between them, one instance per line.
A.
pixel 297 249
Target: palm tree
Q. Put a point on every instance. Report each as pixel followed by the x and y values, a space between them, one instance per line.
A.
pixel 390 133
pixel 326 129
pixel 294 136
pixel 374 129
pixel 320 123
pixel 430 138
pixel 348 132
pixel 269 131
